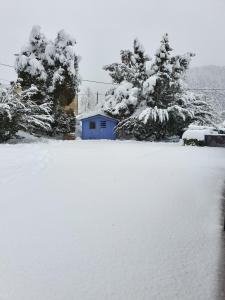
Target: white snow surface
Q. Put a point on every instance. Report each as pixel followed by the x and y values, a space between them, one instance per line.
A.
pixel 109 220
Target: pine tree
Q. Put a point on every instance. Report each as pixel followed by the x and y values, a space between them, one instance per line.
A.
pixel 132 67
pixel 137 62
pixel 153 104
pixel 128 77
pixel 161 72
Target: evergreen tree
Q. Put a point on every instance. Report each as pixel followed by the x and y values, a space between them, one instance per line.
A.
pixel 64 122
pixel 128 77
pixel 8 126
pixel 53 68
pixel 222 115
pixel 122 100
pixel 161 70
pixel 19 112
pixel 29 64
pixel 65 79
pixel 153 104
pixel 132 67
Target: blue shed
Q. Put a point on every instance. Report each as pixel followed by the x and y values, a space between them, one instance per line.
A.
pixel 98 126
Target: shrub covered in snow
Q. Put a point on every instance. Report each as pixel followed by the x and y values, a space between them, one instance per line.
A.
pixel 19 112
pixel 151 102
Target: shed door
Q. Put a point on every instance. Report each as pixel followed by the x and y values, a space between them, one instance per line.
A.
pixel 106 129
pixel 102 129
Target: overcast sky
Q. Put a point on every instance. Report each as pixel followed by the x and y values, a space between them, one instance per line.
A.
pixel 103 27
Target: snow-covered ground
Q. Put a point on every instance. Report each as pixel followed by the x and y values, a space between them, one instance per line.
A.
pixel 109 220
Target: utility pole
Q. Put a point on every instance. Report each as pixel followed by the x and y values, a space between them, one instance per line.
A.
pixel 97 98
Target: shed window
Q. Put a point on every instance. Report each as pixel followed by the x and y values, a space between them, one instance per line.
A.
pixel 103 124
pixel 92 125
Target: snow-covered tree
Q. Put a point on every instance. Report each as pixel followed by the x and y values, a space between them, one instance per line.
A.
pixel 19 112
pixel 156 105
pixel 64 122
pixel 222 115
pixel 161 71
pixel 29 62
pixel 128 77
pixel 34 118
pixel 203 112
pixel 7 123
pixel 122 100
pixel 165 82
pixel 132 67
pixel 65 78
pixel 52 66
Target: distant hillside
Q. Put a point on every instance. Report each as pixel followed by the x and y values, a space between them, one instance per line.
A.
pixel 209 77
pixel 206 77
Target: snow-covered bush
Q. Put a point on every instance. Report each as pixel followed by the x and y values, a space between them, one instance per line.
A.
pixel 132 128
pixel 8 126
pixel 151 102
pixel 19 112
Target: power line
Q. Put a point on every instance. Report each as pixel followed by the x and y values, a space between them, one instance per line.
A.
pixel 108 83
pixel 82 94
pixel 101 82
pixel 86 80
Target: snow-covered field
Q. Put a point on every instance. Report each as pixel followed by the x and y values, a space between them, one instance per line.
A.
pixel 109 220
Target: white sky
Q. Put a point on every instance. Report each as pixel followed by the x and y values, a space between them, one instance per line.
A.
pixel 102 28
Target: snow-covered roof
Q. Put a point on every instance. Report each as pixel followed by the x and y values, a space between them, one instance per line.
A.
pixel 92 114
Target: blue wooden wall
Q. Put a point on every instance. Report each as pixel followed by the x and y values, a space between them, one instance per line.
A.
pixel 103 129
